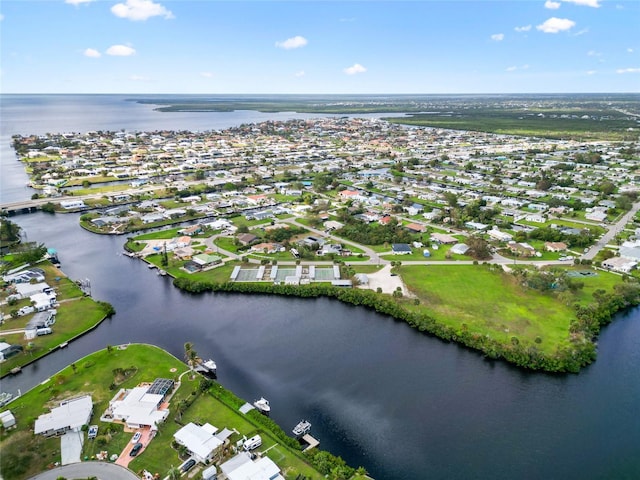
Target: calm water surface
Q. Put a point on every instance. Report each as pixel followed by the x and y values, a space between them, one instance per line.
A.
pixel 404 405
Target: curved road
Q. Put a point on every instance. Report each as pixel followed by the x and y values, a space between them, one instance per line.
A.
pixel 101 470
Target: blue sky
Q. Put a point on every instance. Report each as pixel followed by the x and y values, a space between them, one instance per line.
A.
pixel 305 46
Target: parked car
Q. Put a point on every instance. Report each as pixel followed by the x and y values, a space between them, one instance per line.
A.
pixel 188 465
pixel 93 431
pixel 136 437
pixel 136 448
pixel 26 310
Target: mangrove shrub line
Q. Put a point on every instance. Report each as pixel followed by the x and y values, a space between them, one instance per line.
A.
pixel 570 358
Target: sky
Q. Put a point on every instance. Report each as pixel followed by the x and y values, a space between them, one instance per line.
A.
pixel 319 47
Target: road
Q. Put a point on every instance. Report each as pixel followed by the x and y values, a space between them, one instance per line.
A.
pixel 612 232
pixel 101 470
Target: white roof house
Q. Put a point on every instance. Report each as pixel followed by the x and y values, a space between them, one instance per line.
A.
pixel 199 440
pixel 70 415
pixel 619 264
pixel 27 289
pixel 137 408
pixel 241 467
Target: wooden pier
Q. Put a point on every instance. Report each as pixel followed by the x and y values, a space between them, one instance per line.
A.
pixel 310 441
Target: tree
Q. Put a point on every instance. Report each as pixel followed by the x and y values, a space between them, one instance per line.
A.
pixel 9 231
pixel 190 355
pixel 478 248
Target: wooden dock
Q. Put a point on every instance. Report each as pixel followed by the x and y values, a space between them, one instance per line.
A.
pixel 310 441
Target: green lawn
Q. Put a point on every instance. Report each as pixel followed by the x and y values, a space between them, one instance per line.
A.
pixel 73 318
pixel 488 303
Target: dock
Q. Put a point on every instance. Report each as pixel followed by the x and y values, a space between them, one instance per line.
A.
pixel 310 441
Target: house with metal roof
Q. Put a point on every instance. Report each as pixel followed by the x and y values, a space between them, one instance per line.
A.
pixel 71 415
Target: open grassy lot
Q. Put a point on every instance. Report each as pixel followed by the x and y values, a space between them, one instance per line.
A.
pixel 488 302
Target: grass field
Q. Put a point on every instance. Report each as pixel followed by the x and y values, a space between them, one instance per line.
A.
pixel 488 302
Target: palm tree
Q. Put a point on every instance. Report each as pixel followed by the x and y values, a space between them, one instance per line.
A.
pixel 190 355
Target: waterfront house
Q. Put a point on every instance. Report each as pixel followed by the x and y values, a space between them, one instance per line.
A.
pixel 141 406
pixel 242 467
pixel 200 441
pixel 71 415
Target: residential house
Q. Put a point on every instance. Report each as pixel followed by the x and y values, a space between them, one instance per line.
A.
pixel 415 228
pixel 401 249
pixel 459 249
pixel 71 415
pixel 555 246
pixel 201 441
pixel 521 249
pixel 443 238
pixel 141 406
pixel 415 209
pixel 619 264
pixel 247 238
pixel 499 236
pixel 242 467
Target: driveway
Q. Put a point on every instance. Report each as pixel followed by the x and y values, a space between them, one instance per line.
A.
pixel 71 447
pixel 124 459
pixel 383 279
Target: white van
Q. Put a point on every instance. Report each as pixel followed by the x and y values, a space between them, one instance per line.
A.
pixel 253 442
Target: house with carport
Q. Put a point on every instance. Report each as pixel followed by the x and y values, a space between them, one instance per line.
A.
pixel 204 442
pixel 70 415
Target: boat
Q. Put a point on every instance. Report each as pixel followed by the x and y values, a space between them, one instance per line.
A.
pixel 262 405
pixel 162 272
pixel 302 428
pixel 5 398
pixel 208 368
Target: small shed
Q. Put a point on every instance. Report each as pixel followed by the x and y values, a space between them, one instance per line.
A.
pixel 7 419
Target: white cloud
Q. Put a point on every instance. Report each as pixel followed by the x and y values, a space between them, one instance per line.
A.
pixel 514 68
pixel 629 50
pixel 206 74
pixel 524 28
pixel 551 5
pixel 581 32
pixel 299 74
pixel 593 53
pixel 138 78
pixel 586 3
pixel 592 72
pixel 77 2
pixel 628 70
pixel 120 51
pixel 1 17
pixel 293 42
pixel 497 37
pixel 92 52
pixel 137 10
pixel 555 25
pixel 355 68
